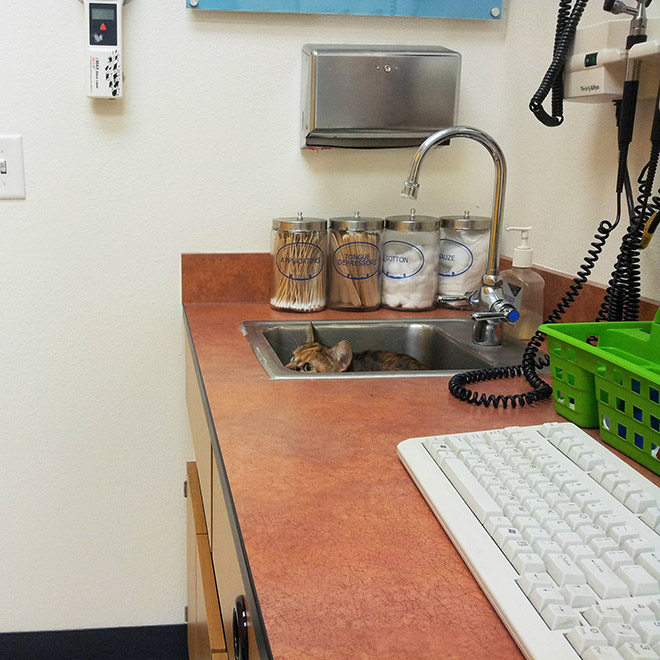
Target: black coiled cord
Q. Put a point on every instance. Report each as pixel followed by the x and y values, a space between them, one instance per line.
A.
pixel 568 17
pixel 530 362
pixel 621 301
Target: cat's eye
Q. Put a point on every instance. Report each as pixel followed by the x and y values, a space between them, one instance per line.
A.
pixel 307 367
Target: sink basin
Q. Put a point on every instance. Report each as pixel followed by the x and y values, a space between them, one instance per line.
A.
pixel 444 345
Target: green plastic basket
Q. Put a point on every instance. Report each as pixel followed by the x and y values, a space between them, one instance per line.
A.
pixel 607 376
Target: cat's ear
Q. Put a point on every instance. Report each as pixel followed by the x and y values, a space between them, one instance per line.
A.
pixel 311 335
pixel 341 354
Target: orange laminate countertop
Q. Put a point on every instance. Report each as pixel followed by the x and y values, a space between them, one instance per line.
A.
pixel 347 559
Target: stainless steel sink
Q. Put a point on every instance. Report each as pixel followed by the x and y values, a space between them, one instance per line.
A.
pixel 444 345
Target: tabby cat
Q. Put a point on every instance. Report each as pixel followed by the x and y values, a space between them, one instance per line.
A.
pixel 313 357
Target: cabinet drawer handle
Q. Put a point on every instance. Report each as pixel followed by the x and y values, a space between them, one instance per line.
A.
pixel 240 625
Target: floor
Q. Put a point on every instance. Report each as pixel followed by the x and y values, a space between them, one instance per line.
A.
pixel 143 643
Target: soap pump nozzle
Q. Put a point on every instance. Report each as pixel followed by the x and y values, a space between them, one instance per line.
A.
pixel 523 254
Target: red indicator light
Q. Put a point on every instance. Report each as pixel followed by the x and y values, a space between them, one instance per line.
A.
pixel 103 26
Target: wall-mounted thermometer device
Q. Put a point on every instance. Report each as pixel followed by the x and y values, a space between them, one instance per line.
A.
pixel 103 48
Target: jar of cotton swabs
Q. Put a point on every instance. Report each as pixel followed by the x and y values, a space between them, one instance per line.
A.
pixel 298 250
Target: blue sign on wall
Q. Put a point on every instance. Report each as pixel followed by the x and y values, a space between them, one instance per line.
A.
pixel 480 9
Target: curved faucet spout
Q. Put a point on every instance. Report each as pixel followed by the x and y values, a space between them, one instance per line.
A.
pixel 411 185
pixel 491 308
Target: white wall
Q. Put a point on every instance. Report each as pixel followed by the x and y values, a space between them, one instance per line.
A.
pixel 199 156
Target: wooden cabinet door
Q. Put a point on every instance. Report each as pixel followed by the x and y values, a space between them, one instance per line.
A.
pixel 227 568
pixel 200 434
pixel 206 640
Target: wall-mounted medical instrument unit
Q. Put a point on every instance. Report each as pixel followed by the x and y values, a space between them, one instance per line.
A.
pixel 377 96
pixel 596 66
pixel 616 61
pixel 103 47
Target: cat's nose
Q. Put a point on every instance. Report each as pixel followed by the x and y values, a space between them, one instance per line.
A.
pixel 291 365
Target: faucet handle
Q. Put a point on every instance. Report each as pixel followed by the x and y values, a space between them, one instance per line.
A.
pixel 500 311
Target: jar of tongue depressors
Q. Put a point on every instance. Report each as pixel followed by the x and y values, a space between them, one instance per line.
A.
pixel 354 263
pixel 298 272
pixel 410 261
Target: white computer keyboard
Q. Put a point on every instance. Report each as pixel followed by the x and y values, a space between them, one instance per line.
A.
pixel 561 535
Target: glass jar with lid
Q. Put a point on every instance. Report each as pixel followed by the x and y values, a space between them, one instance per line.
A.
pixel 410 261
pixel 464 241
pixel 298 253
pixel 354 263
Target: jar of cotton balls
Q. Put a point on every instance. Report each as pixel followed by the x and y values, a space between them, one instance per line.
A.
pixel 410 261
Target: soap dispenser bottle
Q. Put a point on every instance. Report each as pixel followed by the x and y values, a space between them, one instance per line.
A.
pixel 523 288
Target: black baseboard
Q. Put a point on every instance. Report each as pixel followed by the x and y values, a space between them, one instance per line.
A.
pixel 141 643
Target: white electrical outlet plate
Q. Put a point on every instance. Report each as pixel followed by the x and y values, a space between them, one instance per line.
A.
pixel 12 173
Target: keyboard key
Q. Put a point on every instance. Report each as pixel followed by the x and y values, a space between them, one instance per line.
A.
pixel 513 548
pixel 535 504
pixel 577 520
pixel 601 471
pixel 588 462
pixel 584 637
pixel 640 502
pixel 631 651
pixel 599 615
pixel 530 582
pixel 578 552
pixel 546 547
pixel 616 558
pixel 620 633
pixel 481 503
pixel 567 508
pixel 603 580
pixel 560 617
pixel 575 449
pixel 496 522
pixel 590 532
pixel 609 520
pixel 579 596
pixel 563 570
pixel 555 497
pixel 596 509
pixel 649 631
pixel 567 539
pixel 555 526
pixel 515 510
pixel 534 534
pixel 651 562
pixel 545 515
pixel 624 490
pixel 612 480
pixel 550 429
pixel 638 580
pixel 636 547
pixel 634 613
pixel 545 596
pixel 574 488
pixel 602 545
pixel 623 533
pixel 585 497
pixel 526 562
pixel 503 535
pixel 601 653
pixel 456 443
pixel 652 517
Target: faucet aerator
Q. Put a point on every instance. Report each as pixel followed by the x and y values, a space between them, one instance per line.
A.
pixel 410 190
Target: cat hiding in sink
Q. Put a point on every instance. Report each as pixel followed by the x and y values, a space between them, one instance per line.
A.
pixel 314 357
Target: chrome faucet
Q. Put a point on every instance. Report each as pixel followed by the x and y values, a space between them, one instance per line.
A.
pixel 490 307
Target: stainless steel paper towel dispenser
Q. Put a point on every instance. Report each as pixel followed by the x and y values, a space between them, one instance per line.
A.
pixel 377 96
